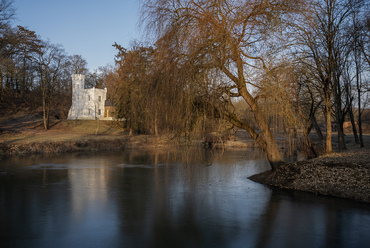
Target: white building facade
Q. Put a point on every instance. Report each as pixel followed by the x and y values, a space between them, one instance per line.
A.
pixel 87 104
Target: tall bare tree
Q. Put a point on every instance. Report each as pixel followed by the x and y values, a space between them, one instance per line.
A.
pixel 320 32
pixel 78 64
pixel 7 11
pixel 51 61
pixel 361 55
pixel 7 41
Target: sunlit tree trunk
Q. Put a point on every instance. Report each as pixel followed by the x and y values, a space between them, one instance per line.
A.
pixel 269 145
pixel 45 102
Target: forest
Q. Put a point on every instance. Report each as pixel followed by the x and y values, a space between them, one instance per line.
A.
pixel 276 69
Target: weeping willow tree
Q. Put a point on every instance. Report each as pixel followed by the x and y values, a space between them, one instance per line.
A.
pixel 156 94
pixel 230 39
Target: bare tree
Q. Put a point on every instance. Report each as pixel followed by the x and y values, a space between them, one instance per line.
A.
pixel 361 55
pixel 321 34
pixel 78 64
pixel 51 60
pixel 7 11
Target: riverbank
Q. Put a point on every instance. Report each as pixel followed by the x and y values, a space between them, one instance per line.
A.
pixel 25 134
pixel 345 175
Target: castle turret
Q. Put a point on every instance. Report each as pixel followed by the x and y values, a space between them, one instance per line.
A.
pixel 86 103
pixel 78 85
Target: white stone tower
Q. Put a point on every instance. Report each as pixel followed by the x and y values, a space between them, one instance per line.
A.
pixel 86 103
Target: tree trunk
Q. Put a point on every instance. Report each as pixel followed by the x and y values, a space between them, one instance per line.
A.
pixel 155 124
pixel 351 116
pixel 45 104
pixel 310 146
pixel 45 113
pixel 353 123
pixel 313 121
pixel 358 82
pixel 340 118
pixel 360 120
pixel 269 147
pixel 317 127
pixel 359 111
pixel 328 142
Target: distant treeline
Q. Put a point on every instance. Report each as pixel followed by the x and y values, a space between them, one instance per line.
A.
pixel 35 73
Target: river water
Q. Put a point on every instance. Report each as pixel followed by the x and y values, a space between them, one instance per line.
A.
pixel 140 198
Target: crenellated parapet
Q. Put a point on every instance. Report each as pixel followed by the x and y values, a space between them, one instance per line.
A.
pixel 78 77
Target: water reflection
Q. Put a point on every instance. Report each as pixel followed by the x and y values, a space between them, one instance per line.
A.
pixel 166 199
pixel 313 221
pixel 88 180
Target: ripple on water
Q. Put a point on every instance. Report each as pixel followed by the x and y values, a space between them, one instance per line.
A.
pixel 49 166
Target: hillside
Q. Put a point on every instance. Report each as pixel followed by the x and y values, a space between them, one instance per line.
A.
pixel 24 134
pixel 29 128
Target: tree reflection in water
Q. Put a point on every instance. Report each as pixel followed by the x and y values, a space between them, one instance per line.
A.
pixel 188 198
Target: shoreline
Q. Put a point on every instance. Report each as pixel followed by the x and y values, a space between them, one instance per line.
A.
pixel 89 144
pixel 343 175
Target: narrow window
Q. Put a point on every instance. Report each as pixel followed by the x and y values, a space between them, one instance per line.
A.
pixel 99 112
pixel 99 98
pixel 88 98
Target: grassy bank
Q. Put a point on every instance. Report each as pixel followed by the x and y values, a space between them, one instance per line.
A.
pixel 82 145
pixel 25 134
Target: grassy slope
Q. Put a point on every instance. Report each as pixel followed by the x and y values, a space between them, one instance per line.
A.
pixel 26 128
pixel 25 134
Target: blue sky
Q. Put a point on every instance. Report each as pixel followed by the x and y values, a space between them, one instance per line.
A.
pixel 84 27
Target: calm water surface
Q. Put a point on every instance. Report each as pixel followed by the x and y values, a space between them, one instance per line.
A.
pixel 166 199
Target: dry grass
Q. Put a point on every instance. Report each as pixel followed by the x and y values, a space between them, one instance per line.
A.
pixel 30 129
pixel 25 135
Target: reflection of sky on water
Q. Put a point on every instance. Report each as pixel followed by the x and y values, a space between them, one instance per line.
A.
pixel 145 199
